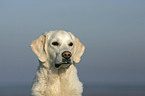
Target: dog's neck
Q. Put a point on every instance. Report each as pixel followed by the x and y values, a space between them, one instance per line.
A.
pixel 60 80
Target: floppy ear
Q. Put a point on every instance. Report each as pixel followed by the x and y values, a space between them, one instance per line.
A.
pixel 78 49
pixel 39 47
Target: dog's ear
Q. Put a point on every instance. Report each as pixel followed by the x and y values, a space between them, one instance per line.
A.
pixel 40 46
pixel 78 49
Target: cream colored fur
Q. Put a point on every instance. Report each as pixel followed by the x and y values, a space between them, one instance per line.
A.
pixel 48 80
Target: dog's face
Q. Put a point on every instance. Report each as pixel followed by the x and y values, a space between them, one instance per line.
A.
pixel 60 48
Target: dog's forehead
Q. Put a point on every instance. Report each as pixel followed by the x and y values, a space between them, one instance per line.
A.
pixel 61 35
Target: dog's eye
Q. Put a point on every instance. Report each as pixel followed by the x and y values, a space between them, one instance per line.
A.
pixel 55 43
pixel 70 44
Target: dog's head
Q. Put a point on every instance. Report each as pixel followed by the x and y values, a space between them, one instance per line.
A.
pixel 59 48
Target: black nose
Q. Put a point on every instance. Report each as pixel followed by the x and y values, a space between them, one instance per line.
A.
pixel 66 54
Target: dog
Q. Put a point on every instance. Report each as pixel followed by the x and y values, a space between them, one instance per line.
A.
pixel 57 52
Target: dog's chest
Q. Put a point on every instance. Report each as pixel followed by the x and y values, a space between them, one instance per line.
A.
pixel 59 86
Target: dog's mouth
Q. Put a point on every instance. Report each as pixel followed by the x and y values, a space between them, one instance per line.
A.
pixel 64 64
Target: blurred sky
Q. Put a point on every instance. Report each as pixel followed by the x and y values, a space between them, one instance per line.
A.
pixel 113 32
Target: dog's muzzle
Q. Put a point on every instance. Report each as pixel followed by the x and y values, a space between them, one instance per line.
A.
pixel 66 61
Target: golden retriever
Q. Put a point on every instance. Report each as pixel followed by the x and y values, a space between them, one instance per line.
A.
pixel 56 75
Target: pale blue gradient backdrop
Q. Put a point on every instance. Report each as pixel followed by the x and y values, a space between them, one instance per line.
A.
pixel 113 32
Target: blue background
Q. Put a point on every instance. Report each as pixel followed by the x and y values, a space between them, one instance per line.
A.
pixel 113 32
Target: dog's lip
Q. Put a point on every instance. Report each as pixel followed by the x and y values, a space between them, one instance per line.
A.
pixel 64 64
